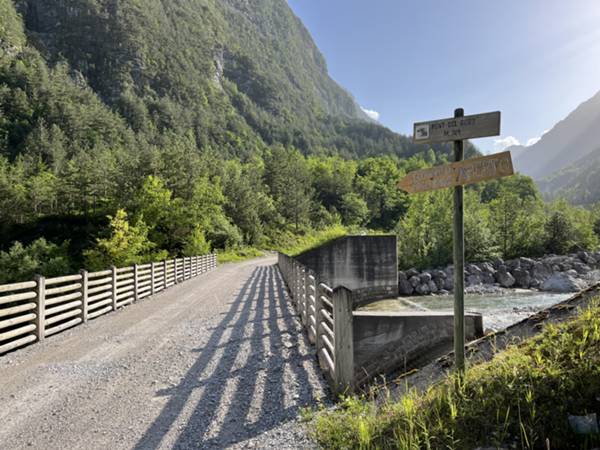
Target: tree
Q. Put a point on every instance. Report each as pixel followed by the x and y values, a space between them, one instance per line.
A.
pixel 376 183
pixel 196 243
pixel 515 223
pixel 354 209
pixel 21 263
pixel 559 233
pixel 126 244
pixel 288 178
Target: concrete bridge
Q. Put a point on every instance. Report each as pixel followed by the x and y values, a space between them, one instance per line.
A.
pixel 216 362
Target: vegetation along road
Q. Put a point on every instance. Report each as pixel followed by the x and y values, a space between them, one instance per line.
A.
pixel 215 362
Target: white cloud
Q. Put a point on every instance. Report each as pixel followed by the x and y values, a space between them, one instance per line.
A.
pixel 371 113
pixel 501 144
pixel 532 141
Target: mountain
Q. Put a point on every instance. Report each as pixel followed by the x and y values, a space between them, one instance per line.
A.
pixel 237 75
pixel 568 143
pixel 579 183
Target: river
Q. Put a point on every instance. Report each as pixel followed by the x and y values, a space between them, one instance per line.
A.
pixel 498 310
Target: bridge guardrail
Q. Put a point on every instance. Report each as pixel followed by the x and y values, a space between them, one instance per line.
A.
pixel 326 314
pixel 33 310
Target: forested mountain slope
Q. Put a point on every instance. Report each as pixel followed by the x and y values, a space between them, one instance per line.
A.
pixel 578 183
pixel 566 143
pixel 237 74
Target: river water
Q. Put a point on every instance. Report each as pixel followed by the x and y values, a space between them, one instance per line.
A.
pixel 498 310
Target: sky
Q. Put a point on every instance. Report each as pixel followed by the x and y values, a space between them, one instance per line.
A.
pixel 408 61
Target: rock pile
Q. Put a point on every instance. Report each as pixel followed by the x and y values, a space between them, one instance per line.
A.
pixel 569 273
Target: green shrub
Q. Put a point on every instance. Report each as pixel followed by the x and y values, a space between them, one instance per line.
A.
pixel 21 263
pixel 126 245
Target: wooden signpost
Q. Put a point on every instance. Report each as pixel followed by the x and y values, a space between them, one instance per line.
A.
pixel 457 175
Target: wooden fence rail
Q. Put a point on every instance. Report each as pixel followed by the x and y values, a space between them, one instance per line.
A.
pixel 326 314
pixel 33 310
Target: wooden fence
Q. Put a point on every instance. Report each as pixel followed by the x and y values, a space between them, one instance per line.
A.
pixel 33 310
pixel 326 313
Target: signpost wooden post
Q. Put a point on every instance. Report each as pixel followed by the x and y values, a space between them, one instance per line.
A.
pixel 457 175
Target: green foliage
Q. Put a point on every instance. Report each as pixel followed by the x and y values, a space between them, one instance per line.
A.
pixel 126 245
pixel 22 263
pixel 293 244
pixel 196 243
pixel 520 398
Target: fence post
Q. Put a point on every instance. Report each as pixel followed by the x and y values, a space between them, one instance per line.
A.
pixel 304 298
pixel 84 295
pixel 184 278
pixel 343 339
pixel 40 307
pixel 307 299
pixel 175 264
pixel 114 288
pixel 318 306
pixel 165 274
pixel 151 278
pixel 136 282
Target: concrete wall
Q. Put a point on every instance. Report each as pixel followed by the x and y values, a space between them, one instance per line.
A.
pixel 367 265
pixel 386 341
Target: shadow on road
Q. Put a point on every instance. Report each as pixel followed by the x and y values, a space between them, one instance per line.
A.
pixel 252 374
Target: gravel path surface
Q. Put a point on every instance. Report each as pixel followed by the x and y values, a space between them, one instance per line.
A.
pixel 216 362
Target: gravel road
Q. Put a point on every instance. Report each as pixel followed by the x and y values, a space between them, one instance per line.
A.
pixel 216 362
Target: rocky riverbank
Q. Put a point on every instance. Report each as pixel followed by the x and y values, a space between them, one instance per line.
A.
pixel 551 273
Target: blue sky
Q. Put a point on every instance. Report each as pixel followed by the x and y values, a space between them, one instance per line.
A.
pixel 414 60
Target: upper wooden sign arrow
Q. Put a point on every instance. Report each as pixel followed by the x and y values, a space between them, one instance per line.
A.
pixel 457 128
pixel 458 174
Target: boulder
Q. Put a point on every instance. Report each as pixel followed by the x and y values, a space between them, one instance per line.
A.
pixel 414 281
pixel 587 258
pixel 564 267
pixel 497 262
pixel 439 274
pixel 449 284
pixel 412 273
pixel 581 267
pixel 488 268
pixel 526 263
pixel 404 286
pixel 423 289
pixel 473 280
pixel 562 282
pixel 504 278
pixel 488 278
pixel 541 271
pixel 425 277
pixel 440 282
pixel 522 278
pixel 473 269
pixel 512 264
pixel 433 287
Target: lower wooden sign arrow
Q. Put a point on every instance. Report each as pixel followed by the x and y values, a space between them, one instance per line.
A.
pixel 459 173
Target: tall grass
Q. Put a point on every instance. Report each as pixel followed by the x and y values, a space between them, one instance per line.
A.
pixel 518 400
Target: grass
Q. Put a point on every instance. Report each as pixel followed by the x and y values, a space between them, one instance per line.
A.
pixel 240 254
pixel 520 399
pixel 291 243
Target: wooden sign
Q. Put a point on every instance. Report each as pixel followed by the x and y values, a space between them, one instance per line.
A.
pixel 457 128
pixel 459 173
